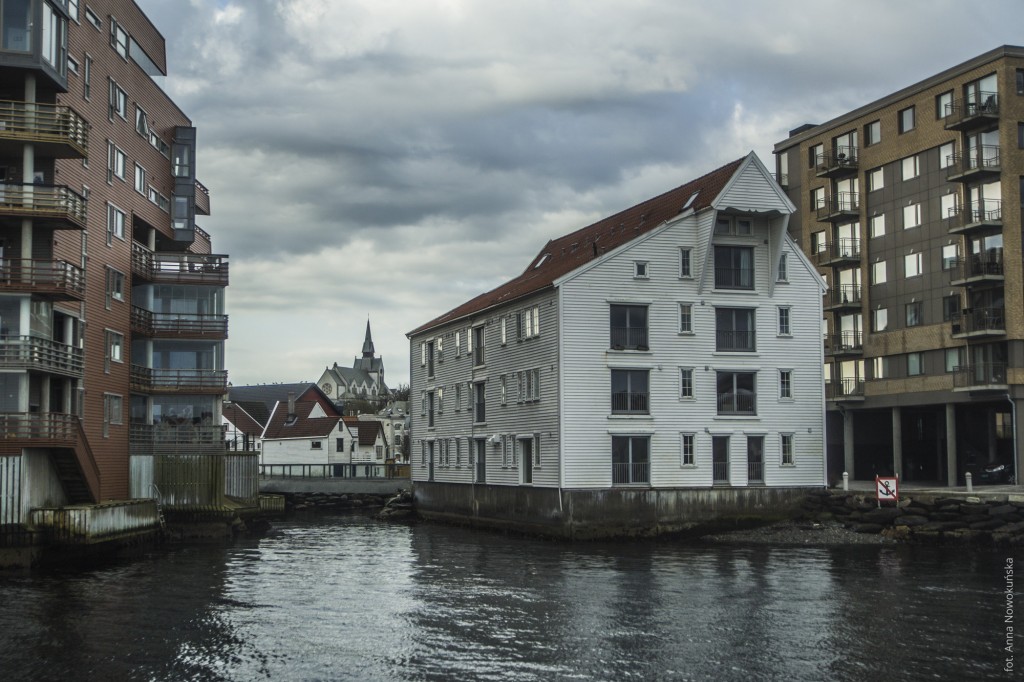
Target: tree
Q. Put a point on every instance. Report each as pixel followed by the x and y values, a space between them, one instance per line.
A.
pixel 401 393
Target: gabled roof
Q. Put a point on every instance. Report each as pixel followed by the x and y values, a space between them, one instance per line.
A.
pixel 259 401
pixel 564 254
pixel 367 430
pixel 303 426
pixel 242 420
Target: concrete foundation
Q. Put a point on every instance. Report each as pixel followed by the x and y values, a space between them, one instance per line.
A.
pixel 592 514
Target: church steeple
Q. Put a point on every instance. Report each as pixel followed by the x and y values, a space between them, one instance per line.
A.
pixel 368 342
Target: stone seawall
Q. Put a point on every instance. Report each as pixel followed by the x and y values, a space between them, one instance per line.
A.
pixel 922 518
pixel 311 502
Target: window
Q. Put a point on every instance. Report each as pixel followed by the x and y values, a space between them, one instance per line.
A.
pixel 786 383
pixel 685 318
pixel 1020 81
pixel 430 359
pixel 950 308
pixel 784 329
pixel 115 223
pixel 118 101
pixel 439 345
pixel 948 205
pixel 880 368
pixel 640 269
pixel 815 155
pixel 430 408
pixel 687 455
pixel 954 359
pixel 478 345
pixel 504 334
pixel 911 216
pixel 440 400
pixel 458 344
pixel 141 121
pixel 91 17
pixel 115 347
pixel 379 451
pixel 914 314
pixel 786 449
pixel 458 399
pixel 736 393
pixel 140 179
pixel 1020 136
pixel 872 133
pixel 504 389
pixel 944 104
pixel 339 443
pixel 912 265
pixel 115 285
pixel 877 225
pixel 734 329
pixel 818 242
pixel 783 268
pixel 118 38
pixel 316 445
pixel 817 198
pixel 686 382
pixel 911 167
pixel 915 364
pixel 116 162
pixel 630 391
pixel 876 180
pixel 631 459
pixel 87 77
pixel 685 261
pixel 734 226
pixel 159 144
pixel 946 152
pixel 72 65
pixel 113 412
pixel 950 256
pixel 906 120
pixel 878 272
pixel 880 319
pixel 73 9
pixel 629 327
pixel 479 402
pixel 734 267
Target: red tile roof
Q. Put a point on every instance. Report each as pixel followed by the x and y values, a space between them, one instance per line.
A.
pixel 242 420
pixel 569 252
pixel 302 427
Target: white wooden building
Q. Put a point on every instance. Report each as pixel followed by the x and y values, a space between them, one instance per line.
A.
pixel 673 345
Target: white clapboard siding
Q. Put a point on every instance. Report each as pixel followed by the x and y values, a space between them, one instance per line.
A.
pixel 748 191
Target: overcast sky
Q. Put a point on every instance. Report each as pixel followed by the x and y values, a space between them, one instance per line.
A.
pixel 393 158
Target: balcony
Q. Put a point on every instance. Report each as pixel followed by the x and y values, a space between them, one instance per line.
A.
pixel 55 130
pixel 43 355
pixel 979 322
pixel 965 114
pixel 978 269
pixel 983 376
pixel 56 280
pixel 976 215
pixel 202 199
pixel 631 473
pixel 975 165
pixel 735 341
pixel 840 207
pixel 626 402
pixel 56 206
pixel 207 381
pixel 170 439
pixel 629 338
pixel 179 267
pixel 839 162
pixel 846 250
pixel 179 325
pixel 845 390
pixel 845 343
pixel 845 296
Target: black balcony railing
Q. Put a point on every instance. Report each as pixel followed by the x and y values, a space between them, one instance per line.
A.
pixel 845 294
pixel 629 338
pixel 631 473
pixel 735 341
pixel 842 158
pixel 980 375
pixel 979 213
pixel 30 352
pixel 847 248
pixel 964 111
pixel 979 320
pixel 844 389
pixel 980 160
pixel 845 342
pixel 839 204
pixel 626 402
pixel 980 266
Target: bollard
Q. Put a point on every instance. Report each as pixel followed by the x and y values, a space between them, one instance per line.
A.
pixel 970 487
pixel 846 481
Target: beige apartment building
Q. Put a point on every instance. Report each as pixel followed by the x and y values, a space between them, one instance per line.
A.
pixel 910 207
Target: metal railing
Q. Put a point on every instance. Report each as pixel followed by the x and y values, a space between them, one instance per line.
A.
pixel 186 268
pixel 980 375
pixel 54 277
pixel 734 278
pixel 983 158
pixel 345 470
pixel 979 320
pixel 735 341
pixel 181 324
pixel 720 472
pixel 959 111
pixel 846 342
pixel 844 388
pixel 40 122
pixel 206 380
pixel 30 352
pixel 845 294
pixel 842 157
pixel 755 472
pixel 984 211
pixel 626 402
pixel 631 473
pixel 629 338
pixel 981 265
pixel 175 439
pixel 737 403
pixel 845 248
pixel 58 202
pixel 841 202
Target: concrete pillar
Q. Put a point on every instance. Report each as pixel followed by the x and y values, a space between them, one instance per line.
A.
pixel 950 445
pixel 44 394
pixel 897 442
pixel 151 240
pixel 848 462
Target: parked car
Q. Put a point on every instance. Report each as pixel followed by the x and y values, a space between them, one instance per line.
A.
pixel 991 473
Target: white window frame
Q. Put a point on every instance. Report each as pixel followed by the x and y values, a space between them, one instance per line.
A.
pixel 686 318
pixel 785 321
pixel 641 269
pixel 140 179
pixel 911 216
pixel 688 450
pixel 946 151
pixel 913 265
pixel 785 384
pixel 879 268
pixel 880 315
pixel 877 225
pixel 686 388
pixel 787 448
pixel 876 180
pixel 783 268
pixel 685 262
pixel 910 167
pixel 115 223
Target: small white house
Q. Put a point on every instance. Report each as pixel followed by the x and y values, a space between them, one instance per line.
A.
pixel 306 433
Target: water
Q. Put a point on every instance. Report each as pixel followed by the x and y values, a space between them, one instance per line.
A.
pixel 347 598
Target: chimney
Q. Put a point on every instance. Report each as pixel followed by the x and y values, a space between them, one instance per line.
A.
pixel 291 404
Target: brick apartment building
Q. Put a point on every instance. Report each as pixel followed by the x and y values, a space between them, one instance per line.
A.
pixel 111 300
pixel 911 209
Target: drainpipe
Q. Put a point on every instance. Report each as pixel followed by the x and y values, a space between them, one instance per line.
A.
pixel 1013 421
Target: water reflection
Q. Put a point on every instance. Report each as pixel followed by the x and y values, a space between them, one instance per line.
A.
pixel 346 598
